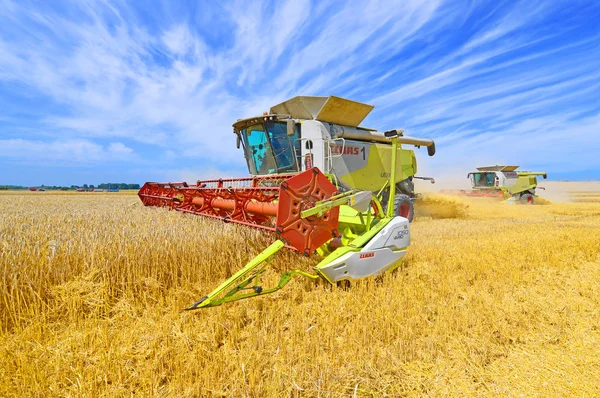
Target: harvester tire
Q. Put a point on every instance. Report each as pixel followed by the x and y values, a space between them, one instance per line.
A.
pixel 526 199
pixel 404 207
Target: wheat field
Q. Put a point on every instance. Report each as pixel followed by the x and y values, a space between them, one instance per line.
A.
pixel 492 300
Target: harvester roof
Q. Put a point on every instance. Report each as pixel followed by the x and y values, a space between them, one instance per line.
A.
pixel 498 168
pixel 330 109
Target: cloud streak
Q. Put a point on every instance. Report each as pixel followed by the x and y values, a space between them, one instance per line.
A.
pixel 75 152
pixel 158 85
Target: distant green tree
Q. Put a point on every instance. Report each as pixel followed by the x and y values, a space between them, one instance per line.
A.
pixel 117 185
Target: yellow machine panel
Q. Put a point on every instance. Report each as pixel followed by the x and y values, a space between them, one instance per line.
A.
pixel 366 166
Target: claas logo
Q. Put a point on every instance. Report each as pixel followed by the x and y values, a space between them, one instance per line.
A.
pixel 344 150
pixel 367 255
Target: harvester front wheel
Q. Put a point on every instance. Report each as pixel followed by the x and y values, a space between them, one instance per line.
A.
pixel 404 207
pixel 526 199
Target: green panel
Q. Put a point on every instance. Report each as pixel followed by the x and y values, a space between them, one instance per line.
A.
pixel 378 166
pixel 524 183
pixel 367 236
pixel 353 219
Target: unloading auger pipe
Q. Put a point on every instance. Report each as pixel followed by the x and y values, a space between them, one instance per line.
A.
pixel 532 173
pixel 358 134
pixel 430 144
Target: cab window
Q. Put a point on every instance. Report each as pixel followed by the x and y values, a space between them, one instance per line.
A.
pixel 484 179
pixel 269 149
pixel 285 148
pixel 258 151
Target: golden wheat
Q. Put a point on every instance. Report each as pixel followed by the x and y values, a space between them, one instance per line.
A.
pixel 499 300
pixel 585 197
pixel 441 206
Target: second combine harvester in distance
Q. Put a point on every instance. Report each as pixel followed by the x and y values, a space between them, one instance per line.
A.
pixel 503 182
pixel 319 182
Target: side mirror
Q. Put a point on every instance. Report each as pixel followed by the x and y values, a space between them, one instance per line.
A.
pixel 238 140
pixel 291 127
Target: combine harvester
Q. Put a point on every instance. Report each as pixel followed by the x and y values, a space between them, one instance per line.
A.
pixel 320 183
pixel 503 182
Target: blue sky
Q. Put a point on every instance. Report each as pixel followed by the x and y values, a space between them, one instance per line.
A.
pixel 96 91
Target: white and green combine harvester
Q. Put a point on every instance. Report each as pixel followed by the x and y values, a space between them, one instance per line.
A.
pixel 505 182
pixel 320 183
pixel 324 132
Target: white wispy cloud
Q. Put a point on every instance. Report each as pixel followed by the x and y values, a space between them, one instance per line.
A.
pixel 162 83
pixel 76 152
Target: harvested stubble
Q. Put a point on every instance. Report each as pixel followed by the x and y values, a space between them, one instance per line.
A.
pixel 504 301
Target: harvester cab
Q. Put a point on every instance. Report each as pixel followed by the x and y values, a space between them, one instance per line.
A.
pixel 505 182
pixel 323 132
